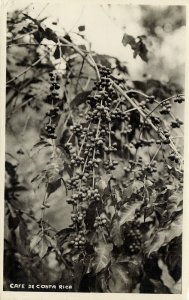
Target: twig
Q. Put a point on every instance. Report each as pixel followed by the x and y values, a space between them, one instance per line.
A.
pixel 21 36
pixel 27 69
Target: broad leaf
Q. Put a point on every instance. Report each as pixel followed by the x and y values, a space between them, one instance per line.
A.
pixel 103 182
pixel 133 188
pixel 103 256
pixel 116 233
pixel 41 143
pixel 127 212
pixel 53 186
pixel 168 281
pixel 128 40
pixel 34 242
pixel 120 281
pixel 164 236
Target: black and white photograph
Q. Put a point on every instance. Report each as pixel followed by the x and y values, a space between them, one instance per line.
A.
pixel 94 147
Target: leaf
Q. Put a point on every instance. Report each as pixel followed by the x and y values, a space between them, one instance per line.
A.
pixel 116 233
pixel 53 186
pixel 103 182
pixel 127 212
pixel 34 241
pixel 51 35
pixel 43 247
pixel 120 281
pixel 132 188
pixel 20 188
pixel 39 35
pixel 92 213
pixel 41 143
pixel 103 256
pixel 80 98
pixel 148 211
pixel 10 169
pixel 23 231
pixel 141 50
pixel 128 40
pixel 168 281
pixel 13 221
pixel 40 243
pixel 51 241
pixel 177 288
pixel 78 272
pixel 159 287
pixel 57 53
pixel 81 28
pixel 163 237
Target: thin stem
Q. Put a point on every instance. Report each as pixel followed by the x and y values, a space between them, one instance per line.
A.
pixel 155 154
pixel 27 69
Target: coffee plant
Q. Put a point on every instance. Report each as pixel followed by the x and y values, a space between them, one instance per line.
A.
pixel 110 147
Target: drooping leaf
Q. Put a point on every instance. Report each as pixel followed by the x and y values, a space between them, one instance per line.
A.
pixel 52 242
pixel 168 281
pixel 34 241
pixel 141 50
pixel 78 272
pixel 10 169
pixel 43 247
pixel 92 213
pixel 128 40
pixel 53 186
pixel 41 143
pixel 13 221
pixel 23 231
pixel 51 35
pixel 159 287
pixel 164 236
pixel 39 244
pixel 102 257
pixel 127 212
pixel 120 281
pixel 116 233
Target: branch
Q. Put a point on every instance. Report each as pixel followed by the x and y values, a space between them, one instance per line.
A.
pixel 27 69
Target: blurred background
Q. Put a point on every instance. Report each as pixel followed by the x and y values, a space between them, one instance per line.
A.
pixel 105 25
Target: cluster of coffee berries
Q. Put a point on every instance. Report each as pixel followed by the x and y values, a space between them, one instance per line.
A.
pixel 100 221
pixel 110 165
pixel 150 168
pixel 173 157
pixel 166 107
pixel 132 237
pixel 176 124
pixel 143 103
pixel 54 112
pixel 143 142
pixel 79 241
pixel 53 97
pixel 50 130
pixel 179 99
pixel 77 217
pixel 150 99
pixel 93 195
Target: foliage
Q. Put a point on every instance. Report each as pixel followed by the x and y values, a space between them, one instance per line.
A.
pixel 108 146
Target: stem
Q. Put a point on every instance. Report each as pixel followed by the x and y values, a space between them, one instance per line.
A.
pixel 155 154
pixel 27 69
